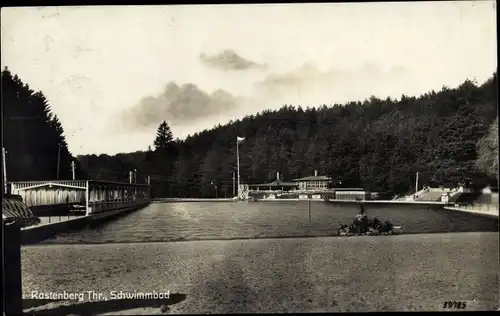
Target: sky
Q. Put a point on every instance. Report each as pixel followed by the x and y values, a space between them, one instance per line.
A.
pixel 113 74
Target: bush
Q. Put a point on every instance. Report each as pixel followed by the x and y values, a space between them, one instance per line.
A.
pixel 388 226
pixel 365 226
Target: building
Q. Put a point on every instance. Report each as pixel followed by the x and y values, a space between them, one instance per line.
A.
pixel 311 187
pixel 313 183
pixel 351 194
pixel 277 185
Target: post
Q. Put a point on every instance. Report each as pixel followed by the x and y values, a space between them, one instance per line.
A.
pixel 12 287
pixel 135 175
pixel 73 169
pixel 309 202
pixel 149 180
pixel 4 165
pixel 130 175
pixel 238 163
pixel 87 196
pixel 58 159
pixel 416 184
pixel 234 185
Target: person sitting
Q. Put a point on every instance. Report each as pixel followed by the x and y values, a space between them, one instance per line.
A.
pixel 361 222
pixel 361 215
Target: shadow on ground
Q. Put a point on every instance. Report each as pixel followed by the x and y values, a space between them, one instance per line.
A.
pixel 31 303
pixel 100 307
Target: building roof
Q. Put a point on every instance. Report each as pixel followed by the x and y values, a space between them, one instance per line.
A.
pixel 81 183
pixel 14 211
pixel 314 178
pixel 275 183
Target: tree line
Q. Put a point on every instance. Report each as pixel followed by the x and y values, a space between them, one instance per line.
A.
pixel 33 136
pixel 448 137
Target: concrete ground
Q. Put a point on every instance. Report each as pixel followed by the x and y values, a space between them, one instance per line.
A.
pixel 323 274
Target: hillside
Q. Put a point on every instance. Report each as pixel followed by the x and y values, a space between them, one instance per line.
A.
pixel 376 144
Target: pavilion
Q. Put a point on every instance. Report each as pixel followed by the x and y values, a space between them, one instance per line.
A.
pixel 312 183
pixel 276 185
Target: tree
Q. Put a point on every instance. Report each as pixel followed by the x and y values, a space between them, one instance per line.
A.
pixel 33 135
pixel 164 137
pixel 210 172
pixel 487 148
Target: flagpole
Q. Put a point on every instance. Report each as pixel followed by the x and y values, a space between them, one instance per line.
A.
pixel 238 163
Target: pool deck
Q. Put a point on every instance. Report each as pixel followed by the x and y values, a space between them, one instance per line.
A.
pixel 173 200
pixel 166 200
pixel 50 220
pixel 389 202
pixel 493 211
pixel 46 229
pixel 324 274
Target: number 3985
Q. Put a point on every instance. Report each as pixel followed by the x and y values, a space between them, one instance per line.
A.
pixel 454 304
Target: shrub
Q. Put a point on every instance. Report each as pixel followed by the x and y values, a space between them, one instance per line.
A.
pixel 365 226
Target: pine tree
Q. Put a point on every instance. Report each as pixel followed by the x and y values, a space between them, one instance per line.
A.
pixel 32 135
pixel 164 137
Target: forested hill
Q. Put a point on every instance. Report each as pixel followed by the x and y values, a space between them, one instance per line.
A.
pixel 375 144
pixel 32 135
pixel 446 136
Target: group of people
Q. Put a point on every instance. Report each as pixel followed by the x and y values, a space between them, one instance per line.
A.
pixel 362 225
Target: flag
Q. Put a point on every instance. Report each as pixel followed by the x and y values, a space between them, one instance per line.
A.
pixel 240 138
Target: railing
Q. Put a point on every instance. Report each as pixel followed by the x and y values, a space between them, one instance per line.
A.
pixel 23 185
pixel 267 191
pixel 312 190
pixel 424 190
pixel 44 220
pixel 99 206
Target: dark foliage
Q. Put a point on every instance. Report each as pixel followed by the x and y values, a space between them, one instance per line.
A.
pixel 488 151
pixel 32 135
pixel 362 225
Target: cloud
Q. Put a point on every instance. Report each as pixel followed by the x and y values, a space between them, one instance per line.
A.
pixel 180 105
pixel 187 108
pixel 228 60
pixel 308 84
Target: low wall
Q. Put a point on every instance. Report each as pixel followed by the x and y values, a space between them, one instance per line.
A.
pixel 287 200
pixel 395 202
pixel 290 196
pixel 490 212
pixel 35 234
pixel 52 210
pixel 38 233
pixel 171 200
